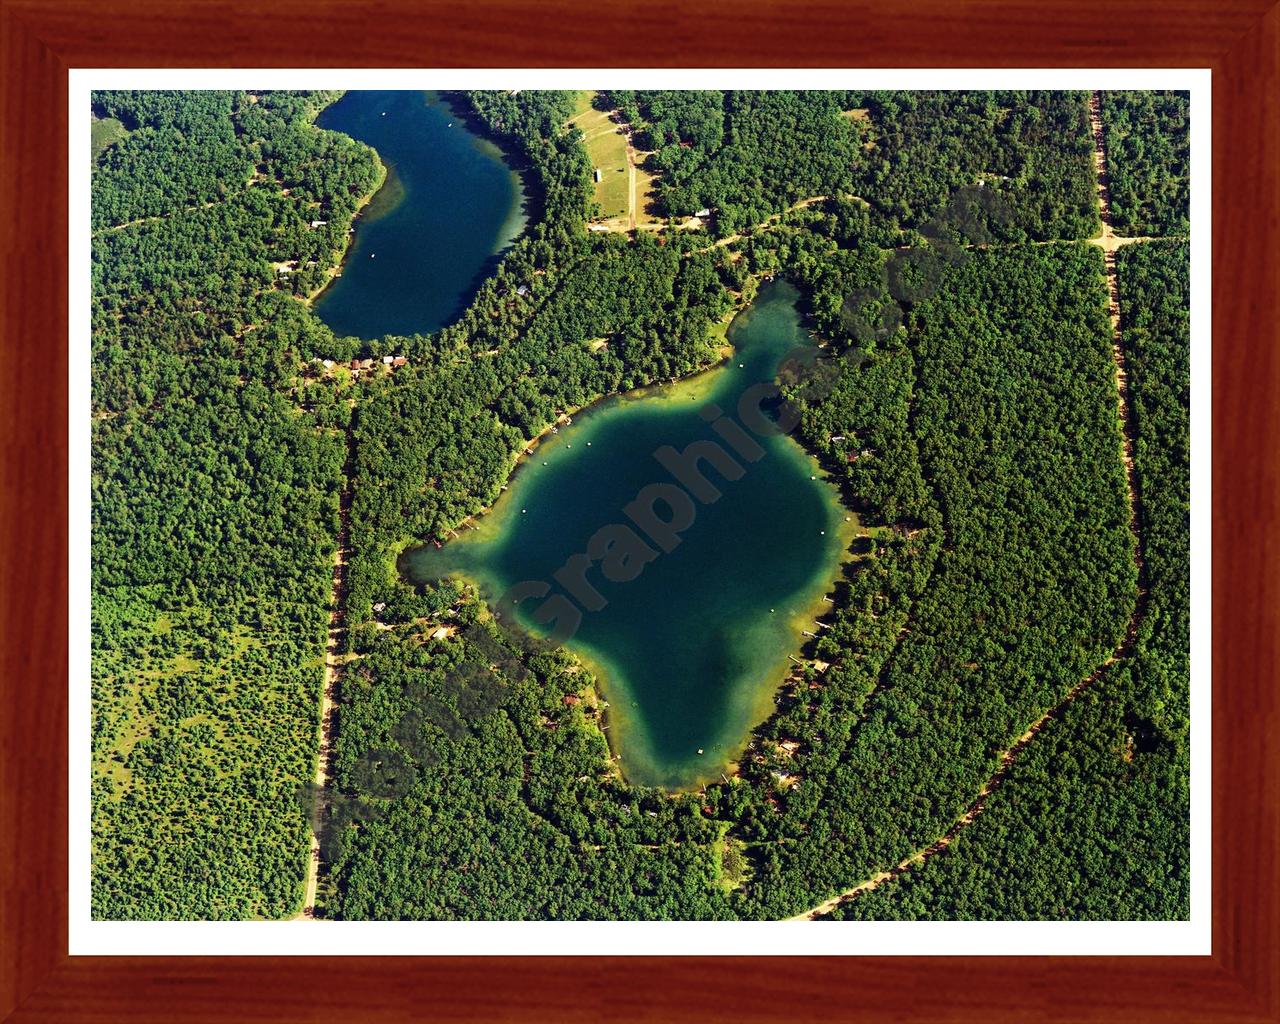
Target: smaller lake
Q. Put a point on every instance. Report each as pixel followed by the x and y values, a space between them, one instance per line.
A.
pixel 691 651
pixel 429 237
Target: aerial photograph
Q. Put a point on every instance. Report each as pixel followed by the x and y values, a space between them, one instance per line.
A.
pixel 621 505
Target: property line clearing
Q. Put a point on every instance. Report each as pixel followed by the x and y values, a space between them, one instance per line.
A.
pixel 333 661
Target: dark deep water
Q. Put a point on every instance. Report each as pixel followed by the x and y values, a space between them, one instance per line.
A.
pixel 690 652
pixel 427 239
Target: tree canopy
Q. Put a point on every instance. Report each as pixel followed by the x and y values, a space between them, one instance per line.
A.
pixel 967 409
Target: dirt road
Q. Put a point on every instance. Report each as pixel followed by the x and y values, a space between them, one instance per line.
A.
pixel 333 660
pixel 1109 242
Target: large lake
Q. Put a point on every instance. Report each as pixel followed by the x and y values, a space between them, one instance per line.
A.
pixel 691 652
pixel 428 238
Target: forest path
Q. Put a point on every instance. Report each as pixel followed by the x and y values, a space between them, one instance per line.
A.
pixel 333 662
pixel 111 228
pixel 798 205
pixel 1109 242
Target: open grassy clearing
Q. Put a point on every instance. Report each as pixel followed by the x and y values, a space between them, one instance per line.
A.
pixel 646 192
pixel 625 191
pixel 106 132
pixel 607 148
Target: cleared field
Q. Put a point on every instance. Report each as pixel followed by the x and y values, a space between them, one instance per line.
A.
pixel 107 131
pixel 646 191
pixel 607 148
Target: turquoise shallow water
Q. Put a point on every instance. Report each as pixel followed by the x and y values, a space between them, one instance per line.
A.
pixel 691 650
pixel 428 238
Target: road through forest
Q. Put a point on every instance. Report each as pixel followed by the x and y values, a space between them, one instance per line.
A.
pixel 1109 242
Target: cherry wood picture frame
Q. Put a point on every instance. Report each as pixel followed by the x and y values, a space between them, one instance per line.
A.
pixel 41 39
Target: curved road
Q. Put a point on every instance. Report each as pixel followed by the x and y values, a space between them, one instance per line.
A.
pixel 1109 242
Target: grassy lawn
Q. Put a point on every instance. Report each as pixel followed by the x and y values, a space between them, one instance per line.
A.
pixel 607 149
pixel 646 190
pixel 107 131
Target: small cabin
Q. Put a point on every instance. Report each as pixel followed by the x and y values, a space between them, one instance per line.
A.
pixel 523 290
pixel 387 360
pixel 399 361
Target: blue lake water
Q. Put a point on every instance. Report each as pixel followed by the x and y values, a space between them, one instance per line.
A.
pixel 428 238
pixel 692 650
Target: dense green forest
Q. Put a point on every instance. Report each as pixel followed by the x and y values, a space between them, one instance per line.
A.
pixel 1093 822
pixel 1003 576
pixel 745 154
pixel 973 393
pixel 214 499
pixel 1149 161
pixel 750 154
pixel 1032 149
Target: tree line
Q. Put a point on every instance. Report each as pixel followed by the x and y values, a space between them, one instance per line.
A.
pixel 1094 820
pixel 1148 140
pixel 968 414
pixel 214 497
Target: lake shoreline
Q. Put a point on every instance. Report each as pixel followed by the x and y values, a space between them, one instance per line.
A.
pixel 335 271
pixel 754 703
pixel 448 206
pixel 513 155
pixel 530 447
